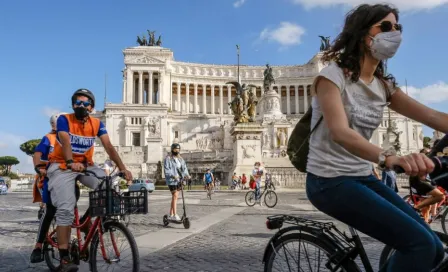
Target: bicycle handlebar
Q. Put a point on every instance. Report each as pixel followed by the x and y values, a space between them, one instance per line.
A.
pixel 440 170
pixel 92 173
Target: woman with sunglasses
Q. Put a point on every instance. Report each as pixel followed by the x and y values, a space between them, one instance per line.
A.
pixel 351 94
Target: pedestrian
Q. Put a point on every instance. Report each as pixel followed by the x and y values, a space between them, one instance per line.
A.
pixel 257 173
pixel 244 181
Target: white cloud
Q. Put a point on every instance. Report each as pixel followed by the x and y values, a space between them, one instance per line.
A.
pixel 238 3
pixel 286 34
pixel 48 111
pixel 401 4
pixel 434 93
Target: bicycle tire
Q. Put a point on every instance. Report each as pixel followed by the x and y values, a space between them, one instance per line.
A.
pixel 385 255
pixel 270 192
pixel 250 195
pixel 329 250
pixel 444 228
pixel 48 257
pixel 133 245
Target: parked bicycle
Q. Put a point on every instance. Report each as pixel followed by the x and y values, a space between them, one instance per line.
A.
pixel 326 248
pixel 107 206
pixel 270 198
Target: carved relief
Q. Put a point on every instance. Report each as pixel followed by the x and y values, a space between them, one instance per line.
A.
pixel 248 151
pixel 153 124
pixel 282 137
pixel 266 140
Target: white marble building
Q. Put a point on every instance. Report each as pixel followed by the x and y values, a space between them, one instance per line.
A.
pixel 164 99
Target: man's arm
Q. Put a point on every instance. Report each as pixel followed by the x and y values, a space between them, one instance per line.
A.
pixel 64 137
pixel 36 158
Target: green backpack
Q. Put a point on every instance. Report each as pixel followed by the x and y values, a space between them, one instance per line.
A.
pixel 299 141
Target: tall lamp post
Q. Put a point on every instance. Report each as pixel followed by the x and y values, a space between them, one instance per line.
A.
pixel 238 57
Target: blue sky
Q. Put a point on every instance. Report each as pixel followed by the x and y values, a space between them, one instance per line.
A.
pixel 50 48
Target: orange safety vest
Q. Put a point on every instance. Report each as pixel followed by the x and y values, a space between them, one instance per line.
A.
pixel 38 180
pixel 82 139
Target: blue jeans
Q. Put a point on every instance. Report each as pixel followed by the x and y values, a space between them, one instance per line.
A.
pixel 257 190
pixel 371 207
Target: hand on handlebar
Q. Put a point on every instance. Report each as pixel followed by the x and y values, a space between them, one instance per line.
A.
pixel 127 175
pixel 76 167
pixel 43 172
pixel 414 164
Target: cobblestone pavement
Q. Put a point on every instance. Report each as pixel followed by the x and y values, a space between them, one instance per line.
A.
pixel 234 244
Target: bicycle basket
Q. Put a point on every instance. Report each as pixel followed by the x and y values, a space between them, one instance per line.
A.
pixel 128 203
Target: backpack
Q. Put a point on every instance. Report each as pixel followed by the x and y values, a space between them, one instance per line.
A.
pixel 299 141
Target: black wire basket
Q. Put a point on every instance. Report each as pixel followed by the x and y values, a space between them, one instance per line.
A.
pixel 126 203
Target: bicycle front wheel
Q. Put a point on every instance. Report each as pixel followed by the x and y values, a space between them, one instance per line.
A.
pixel 116 237
pixel 304 252
pixel 270 199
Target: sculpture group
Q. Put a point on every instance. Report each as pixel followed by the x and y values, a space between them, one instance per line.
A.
pixel 151 41
pixel 324 43
pixel 244 104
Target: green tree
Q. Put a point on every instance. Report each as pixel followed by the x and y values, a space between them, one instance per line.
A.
pixel 29 146
pixel 7 162
pixel 426 141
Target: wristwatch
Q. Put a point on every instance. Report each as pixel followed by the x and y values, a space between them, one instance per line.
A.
pixel 68 162
pixel 383 156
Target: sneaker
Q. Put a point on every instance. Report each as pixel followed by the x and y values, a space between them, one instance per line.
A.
pixel 176 217
pixel 36 256
pixel 67 266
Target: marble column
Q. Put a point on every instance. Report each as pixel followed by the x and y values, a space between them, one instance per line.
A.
pixel 129 87
pixel 187 97
pixel 140 87
pixel 124 90
pixel 150 88
pixel 288 100
pixel 213 98
pixel 229 93
pixel 305 98
pixel 296 89
pixel 179 105
pixel 204 94
pixel 221 102
pixel 196 98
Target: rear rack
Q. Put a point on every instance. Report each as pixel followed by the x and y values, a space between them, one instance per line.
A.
pixel 327 228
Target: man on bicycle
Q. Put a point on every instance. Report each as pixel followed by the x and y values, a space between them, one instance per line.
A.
pixel 72 153
pixel 175 169
pixel 208 179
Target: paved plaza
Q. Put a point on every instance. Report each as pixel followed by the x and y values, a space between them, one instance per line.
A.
pixel 225 234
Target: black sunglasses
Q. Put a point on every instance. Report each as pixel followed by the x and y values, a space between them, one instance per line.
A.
pixel 387 26
pixel 84 103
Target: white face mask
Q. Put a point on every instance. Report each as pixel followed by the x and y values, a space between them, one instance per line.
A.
pixel 385 44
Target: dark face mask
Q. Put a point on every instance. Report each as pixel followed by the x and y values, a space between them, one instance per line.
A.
pixel 81 113
pixel 175 153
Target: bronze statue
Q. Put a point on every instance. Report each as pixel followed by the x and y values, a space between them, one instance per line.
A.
pixel 241 103
pixel 268 78
pixel 151 39
pixel 142 40
pixel 253 101
pixel 159 41
pixel 324 43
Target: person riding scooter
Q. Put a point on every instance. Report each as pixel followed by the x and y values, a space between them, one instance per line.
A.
pixel 172 163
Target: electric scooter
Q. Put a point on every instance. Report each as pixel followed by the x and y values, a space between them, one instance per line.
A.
pixel 184 220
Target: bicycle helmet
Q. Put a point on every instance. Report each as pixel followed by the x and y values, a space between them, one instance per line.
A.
pixel 86 93
pixel 54 117
pixel 175 146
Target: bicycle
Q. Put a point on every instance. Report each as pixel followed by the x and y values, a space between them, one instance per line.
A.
pixel 339 249
pixel 106 205
pixel 269 195
pixel 441 207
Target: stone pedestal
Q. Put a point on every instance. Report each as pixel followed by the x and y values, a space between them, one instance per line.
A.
pixel 154 150
pixel 246 148
pixel 270 106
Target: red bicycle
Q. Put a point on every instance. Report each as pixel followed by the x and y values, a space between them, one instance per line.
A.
pixel 441 207
pixel 107 206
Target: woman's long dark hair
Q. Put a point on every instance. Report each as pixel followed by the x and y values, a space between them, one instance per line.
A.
pixel 348 48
